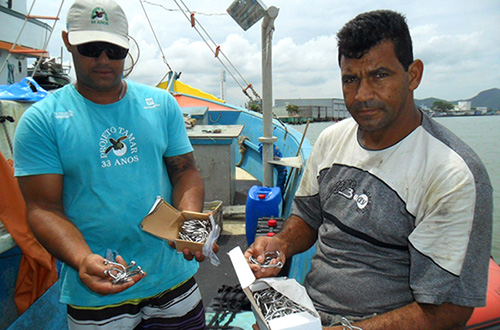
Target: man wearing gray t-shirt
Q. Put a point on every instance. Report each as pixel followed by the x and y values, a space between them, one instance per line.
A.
pixel 399 207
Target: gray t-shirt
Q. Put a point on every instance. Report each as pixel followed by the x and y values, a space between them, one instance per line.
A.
pixel 411 222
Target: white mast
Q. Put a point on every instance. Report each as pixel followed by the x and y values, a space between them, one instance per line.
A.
pixel 246 13
pixel 223 85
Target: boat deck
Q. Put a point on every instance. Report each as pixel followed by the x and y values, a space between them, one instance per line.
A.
pixel 209 277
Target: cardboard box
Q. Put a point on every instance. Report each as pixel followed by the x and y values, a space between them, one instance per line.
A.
pixel 288 287
pixel 216 208
pixel 165 221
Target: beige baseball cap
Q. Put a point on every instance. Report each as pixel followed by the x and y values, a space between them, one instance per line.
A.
pixel 97 20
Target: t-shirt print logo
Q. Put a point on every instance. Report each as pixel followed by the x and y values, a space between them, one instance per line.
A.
pixel 150 103
pixel 346 188
pixel 119 148
pixel 361 200
pixel 64 115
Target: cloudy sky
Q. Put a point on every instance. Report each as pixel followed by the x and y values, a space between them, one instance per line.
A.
pixel 458 41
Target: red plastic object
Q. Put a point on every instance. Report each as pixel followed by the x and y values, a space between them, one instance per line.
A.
pixel 488 316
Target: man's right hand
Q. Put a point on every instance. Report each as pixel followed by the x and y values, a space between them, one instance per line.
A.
pixel 91 272
pixel 258 250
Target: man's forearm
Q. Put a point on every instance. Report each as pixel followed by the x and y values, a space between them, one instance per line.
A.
pixel 298 235
pixel 49 223
pixel 417 316
pixel 189 192
pixel 59 236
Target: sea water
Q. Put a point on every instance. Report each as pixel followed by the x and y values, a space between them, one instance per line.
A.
pixel 482 133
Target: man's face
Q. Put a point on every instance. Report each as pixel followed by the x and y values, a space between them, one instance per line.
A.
pixel 376 90
pixel 98 73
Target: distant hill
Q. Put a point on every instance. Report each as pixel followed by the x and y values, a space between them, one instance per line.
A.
pixel 489 98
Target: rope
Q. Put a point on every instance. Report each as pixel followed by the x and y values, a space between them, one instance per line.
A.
pixel 216 46
pixel 48 39
pixel 133 61
pixel 242 148
pixel 21 31
pixel 17 38
pixel 156 38
pixel 297 155
pixel 194 12
pixel 216 50
pixel 212 120
pixel 282 124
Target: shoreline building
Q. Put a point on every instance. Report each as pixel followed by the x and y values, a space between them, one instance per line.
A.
pixel 321 109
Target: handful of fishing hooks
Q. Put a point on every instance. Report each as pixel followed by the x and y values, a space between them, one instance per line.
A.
pixel 121 274
pixel 268 257
pixel 274 305
pixel 195 230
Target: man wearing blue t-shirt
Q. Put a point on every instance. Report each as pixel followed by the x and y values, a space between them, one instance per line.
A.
pixel 91 160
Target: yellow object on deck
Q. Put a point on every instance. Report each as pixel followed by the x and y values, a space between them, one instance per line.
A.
pixel 183 88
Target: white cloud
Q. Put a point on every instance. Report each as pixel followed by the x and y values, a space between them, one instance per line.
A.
pixel 457 40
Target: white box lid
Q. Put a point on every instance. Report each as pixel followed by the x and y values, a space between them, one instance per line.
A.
pixel 241 267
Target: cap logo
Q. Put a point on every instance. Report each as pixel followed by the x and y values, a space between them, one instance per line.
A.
pixel 99 16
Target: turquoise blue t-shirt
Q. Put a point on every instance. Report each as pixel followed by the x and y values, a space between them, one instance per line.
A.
pixel 111 157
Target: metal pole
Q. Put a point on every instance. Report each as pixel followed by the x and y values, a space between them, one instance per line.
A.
pixel 267 139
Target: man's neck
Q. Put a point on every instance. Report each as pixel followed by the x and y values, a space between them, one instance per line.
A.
pixel 378 140
pixel 112 95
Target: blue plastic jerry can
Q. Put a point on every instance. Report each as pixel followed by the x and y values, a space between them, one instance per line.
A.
pixel 261 202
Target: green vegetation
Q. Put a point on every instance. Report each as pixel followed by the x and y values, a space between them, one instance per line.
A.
pixel 442 106
pixel 254 106
pixel 292 110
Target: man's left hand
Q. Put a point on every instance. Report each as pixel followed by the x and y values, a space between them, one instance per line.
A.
pixel 197 255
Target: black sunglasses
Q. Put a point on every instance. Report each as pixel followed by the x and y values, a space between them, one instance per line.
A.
pixel 95 49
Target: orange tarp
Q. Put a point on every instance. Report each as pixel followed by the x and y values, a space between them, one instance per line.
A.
pixel 37 270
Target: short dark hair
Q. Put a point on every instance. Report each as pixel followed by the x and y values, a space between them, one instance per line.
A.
pixel 368 29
